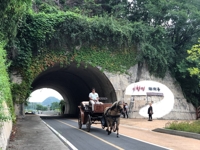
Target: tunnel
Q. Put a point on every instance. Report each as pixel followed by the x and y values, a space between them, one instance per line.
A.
pixel 74 83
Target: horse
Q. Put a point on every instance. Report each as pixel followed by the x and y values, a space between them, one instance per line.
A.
pixel 112 117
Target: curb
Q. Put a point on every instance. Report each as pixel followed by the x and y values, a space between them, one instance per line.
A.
pixel 179 133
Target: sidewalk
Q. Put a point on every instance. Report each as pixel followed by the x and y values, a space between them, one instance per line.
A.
pixel 143 123
pixel 33 134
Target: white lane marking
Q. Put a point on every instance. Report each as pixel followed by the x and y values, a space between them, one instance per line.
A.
pixel 119 148
pixel 136 138
pixel 63 138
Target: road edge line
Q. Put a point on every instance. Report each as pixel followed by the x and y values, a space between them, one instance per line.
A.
pixel 60 136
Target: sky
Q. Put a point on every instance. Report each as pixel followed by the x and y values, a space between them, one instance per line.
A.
pixel 41 94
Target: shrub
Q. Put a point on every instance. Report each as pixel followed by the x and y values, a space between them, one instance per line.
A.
pixel 185 126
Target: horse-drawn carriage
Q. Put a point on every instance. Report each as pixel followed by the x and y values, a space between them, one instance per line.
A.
pixel 106 114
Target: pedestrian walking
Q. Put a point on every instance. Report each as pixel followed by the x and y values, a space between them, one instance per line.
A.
pixel 150 112
pixel 125 110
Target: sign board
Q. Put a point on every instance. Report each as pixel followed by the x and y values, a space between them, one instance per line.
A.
pixel 144 88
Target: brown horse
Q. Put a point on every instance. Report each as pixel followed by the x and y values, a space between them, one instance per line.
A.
pixel 112 117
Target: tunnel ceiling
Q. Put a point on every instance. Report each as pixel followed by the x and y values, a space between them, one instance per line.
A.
pixel 75 83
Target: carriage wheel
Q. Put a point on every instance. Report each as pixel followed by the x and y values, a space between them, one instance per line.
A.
pixel 114 127
pixel 79 121
pixel 88 124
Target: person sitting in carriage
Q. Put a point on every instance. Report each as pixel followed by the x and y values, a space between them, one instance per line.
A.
pixel 94 98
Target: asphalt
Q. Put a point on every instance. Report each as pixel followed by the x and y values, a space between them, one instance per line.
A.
pixel 97 138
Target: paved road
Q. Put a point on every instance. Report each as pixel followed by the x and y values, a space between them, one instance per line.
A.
pixel 97 138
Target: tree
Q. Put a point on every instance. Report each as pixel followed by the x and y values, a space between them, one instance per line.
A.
pixel 101 7
pixel 179 27
pixel 11 12
pixel 54 105
pixel 194 60
pixel 40 107
pixel 179 23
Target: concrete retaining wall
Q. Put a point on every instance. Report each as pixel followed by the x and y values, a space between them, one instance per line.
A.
pixel 5 131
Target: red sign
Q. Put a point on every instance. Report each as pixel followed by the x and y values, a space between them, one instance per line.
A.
pixel 138 88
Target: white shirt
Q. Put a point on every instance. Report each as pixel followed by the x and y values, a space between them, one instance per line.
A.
pixel 93 96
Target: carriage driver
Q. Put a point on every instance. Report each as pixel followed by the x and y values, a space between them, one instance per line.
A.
pixel 94 98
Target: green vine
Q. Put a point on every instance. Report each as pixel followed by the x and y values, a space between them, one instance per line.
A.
pixel 46 60
pixel 5 92
pixel 44 40
pixel 119 61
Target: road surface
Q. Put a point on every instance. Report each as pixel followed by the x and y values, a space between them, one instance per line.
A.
pixel 96 139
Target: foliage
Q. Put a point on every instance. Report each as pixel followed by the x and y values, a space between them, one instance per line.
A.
pixel 42 41
pixel 20 91
pixel 5 92
pixel 178 23
pixel 190 76
pixel 185 126
pixel 156 50
pixel 68 30
pixel 54 106
pixel 46 60
pixel 100 7
pixel 110 61
pixel 11 12
pixel 194 59
pixel 40 107
pixel 157 33
pixel 31 106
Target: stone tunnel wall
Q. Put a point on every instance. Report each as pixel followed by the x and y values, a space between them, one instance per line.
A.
pixel 181 110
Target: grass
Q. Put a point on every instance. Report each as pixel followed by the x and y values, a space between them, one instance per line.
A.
pixel 185 126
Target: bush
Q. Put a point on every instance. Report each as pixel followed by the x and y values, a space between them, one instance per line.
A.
pixel 185 126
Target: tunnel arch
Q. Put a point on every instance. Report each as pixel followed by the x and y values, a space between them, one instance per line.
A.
pixel 74 84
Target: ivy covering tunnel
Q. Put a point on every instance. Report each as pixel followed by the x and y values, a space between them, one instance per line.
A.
pixel 42 34
pixel 74 84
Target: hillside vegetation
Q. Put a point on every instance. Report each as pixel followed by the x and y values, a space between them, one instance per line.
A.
pixel 161 34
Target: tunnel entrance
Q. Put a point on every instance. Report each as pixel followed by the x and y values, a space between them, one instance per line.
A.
pixel 74 84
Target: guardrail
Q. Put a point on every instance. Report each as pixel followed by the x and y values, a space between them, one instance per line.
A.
pixel 198 112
